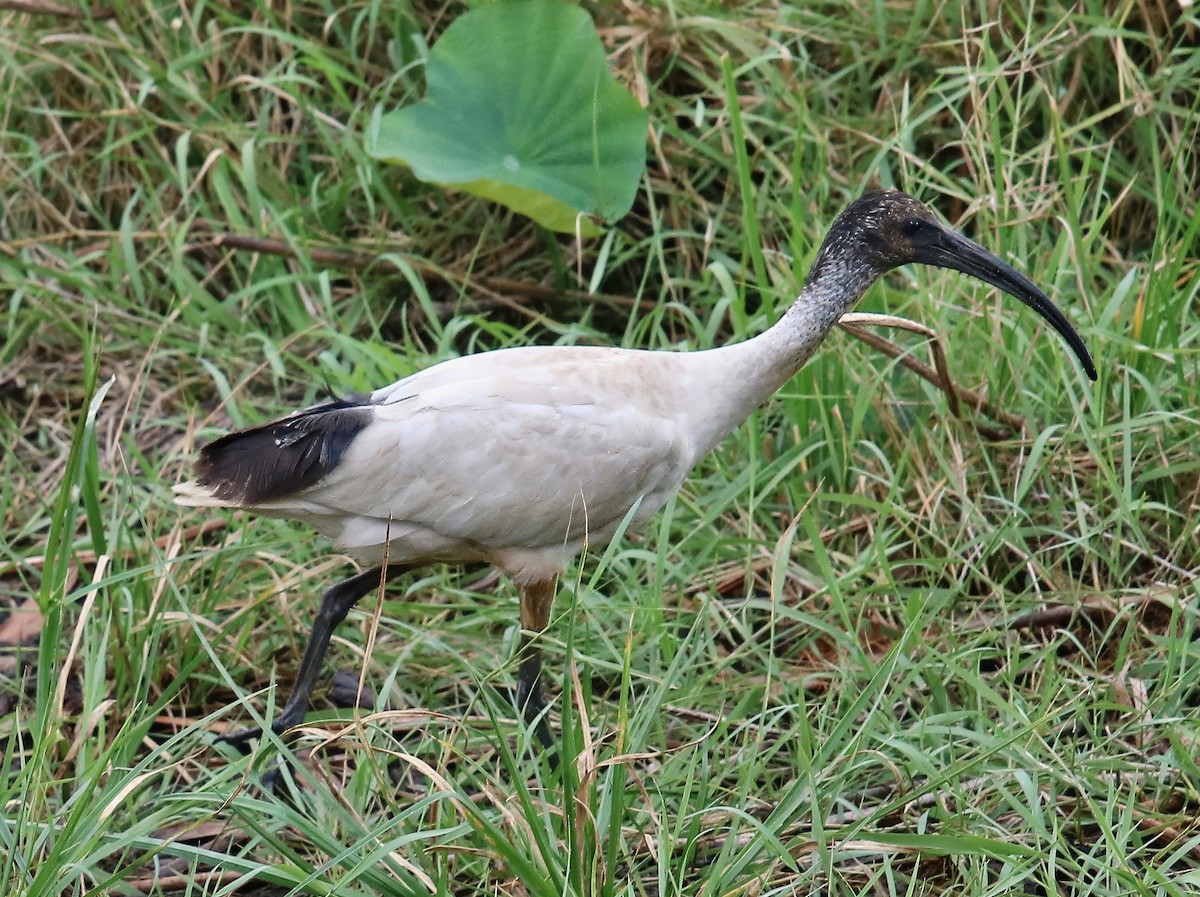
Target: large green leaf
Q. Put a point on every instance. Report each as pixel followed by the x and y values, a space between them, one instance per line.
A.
pixel 520 108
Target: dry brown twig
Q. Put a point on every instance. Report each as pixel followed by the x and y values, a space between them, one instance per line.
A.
pixel 362 261
pixel 43 8
pixel 938 374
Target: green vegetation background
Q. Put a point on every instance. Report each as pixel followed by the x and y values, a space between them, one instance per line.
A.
pixel 871 648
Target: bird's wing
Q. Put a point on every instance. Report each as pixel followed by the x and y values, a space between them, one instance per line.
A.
pixel 253 467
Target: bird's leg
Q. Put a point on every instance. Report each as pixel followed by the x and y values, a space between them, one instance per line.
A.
pixel 536 599
pixel 336 603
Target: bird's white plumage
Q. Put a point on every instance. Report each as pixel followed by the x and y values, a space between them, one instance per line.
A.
pixel 517 458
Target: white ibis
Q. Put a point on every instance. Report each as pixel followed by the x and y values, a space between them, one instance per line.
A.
pixel 521 457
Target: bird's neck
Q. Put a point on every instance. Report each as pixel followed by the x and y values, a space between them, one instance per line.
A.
pixel 734 380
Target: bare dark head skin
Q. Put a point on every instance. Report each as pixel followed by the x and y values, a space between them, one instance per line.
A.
pixel 886 229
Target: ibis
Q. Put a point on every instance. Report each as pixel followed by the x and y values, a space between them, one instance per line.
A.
pixel 521 457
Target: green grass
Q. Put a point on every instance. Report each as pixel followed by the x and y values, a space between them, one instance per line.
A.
pixel 868 649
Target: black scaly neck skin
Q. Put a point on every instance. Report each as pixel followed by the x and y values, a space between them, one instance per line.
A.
pixel 734 380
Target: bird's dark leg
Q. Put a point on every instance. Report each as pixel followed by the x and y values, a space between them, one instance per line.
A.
pixel 336 603
pixel 536 599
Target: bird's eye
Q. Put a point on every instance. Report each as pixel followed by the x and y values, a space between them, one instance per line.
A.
pixel 913 226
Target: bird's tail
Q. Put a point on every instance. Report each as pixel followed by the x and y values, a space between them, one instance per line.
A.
pixel 259 466
pixel 192 495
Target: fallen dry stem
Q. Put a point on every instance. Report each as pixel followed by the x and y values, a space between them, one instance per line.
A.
pixel 938 375
pixel 362 261
pixel 43 8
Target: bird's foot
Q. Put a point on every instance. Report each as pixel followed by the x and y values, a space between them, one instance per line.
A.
pixel 241 739
pixel 271 779
pixel 291 716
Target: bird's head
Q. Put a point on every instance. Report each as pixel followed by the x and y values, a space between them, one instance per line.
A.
pixel 885 229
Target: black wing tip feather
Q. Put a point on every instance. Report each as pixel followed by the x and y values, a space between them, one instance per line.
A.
pixel 286 456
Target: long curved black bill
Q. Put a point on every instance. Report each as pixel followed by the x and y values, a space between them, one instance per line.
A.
pixel 947 249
